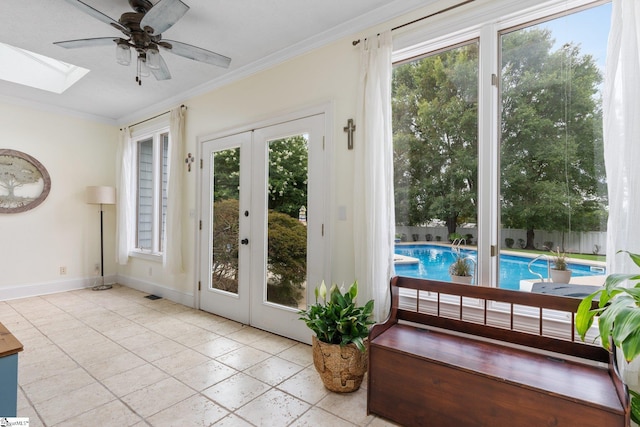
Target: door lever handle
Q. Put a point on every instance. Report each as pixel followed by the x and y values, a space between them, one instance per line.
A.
pixel 244 241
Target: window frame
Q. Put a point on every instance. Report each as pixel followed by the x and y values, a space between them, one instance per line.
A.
pixel 157 134
pixel 485 25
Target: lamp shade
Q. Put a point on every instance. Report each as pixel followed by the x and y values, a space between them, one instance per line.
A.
pixel 101 195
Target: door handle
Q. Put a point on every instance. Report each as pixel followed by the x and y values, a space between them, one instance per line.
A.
pixel 244 241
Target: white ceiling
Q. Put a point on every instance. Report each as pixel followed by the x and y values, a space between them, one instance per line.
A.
pixel 255 33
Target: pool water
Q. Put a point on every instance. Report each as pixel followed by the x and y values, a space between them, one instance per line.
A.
pixel 434 264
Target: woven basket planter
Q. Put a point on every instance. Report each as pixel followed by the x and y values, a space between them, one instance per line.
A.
pixel 341 368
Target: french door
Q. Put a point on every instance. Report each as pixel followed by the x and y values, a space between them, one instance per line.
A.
pixel 262 243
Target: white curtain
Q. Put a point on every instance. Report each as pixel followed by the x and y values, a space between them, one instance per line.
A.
pixel 125 221
pixel 621 113
pixel 172 253
pixel 374 217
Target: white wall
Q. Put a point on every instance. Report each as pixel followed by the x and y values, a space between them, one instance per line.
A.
pixel 63 231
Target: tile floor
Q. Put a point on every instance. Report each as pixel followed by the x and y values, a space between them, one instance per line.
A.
pixel 115 358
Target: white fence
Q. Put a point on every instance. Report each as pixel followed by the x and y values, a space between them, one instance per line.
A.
pixel 590 242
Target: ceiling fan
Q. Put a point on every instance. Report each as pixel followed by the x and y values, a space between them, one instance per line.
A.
pixel 144 28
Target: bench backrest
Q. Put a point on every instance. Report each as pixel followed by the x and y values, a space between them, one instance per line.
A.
pixel 492 313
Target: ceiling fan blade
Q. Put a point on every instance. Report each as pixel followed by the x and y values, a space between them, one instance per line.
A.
pixel 163 15
pixel 98 15
pixel 161 73
pixel 196 53
pixel 100 41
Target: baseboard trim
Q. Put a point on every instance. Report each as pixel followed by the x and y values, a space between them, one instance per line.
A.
pixel 159 290
pixel 37 289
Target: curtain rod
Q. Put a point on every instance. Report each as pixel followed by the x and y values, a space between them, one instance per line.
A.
pixel 154 117
pixel 355 42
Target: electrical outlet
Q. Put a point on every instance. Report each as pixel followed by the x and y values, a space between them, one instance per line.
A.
pixel 63 270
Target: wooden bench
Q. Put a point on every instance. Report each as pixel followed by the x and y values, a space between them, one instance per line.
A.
pixel 460 355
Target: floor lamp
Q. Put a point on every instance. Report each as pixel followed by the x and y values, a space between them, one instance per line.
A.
pixel 101 195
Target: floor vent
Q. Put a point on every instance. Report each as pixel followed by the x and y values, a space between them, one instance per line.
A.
pixel 153 297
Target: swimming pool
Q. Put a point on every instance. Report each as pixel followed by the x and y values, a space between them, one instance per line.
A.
pixel 434 264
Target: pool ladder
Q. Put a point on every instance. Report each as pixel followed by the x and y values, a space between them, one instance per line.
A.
pixel 541 256
pixel 455 245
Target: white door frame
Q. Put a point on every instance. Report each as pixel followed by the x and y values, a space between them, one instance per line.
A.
pixel 327 110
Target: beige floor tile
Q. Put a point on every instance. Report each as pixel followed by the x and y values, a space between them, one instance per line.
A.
pixel 34 419
pixel 273 370
pixel 196 336
pixel 205 375
pixel 305 385
pixel 114 365
pixel 129 330
pixel 350 406
pixel 114 413
pixel 40 391
pixel 233 420
pixel 247 335
pixel 243 358
pixel 381 422
pixel 157 397
pixel 28 373
pixel 194 411
pixel 134 379
pixel 69 405
pixel 273 344
pixel 218 347
pixel 273 408
pixel 142 340
pixel 181 361
pixel 299 353
pixel 236 391
pixel 318 417
pixel 159 350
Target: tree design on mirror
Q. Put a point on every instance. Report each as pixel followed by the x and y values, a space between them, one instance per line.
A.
pixel 24 182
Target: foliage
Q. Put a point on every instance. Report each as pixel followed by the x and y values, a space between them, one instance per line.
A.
pixel 454 236
pixel 460 267
pixel 287 259
pixel 551 143
pixel 618 319
pixel 509 242
pixel 338 320
pixel 559 260
pixel 286 252
pixel 288 159
pixel 551 136
pixel 435 138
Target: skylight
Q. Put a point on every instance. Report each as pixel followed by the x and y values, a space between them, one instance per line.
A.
pixel 38 71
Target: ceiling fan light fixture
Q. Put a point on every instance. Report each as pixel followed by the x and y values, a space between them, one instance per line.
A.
pixel 153 59
pixel 143 69
pixel 123 53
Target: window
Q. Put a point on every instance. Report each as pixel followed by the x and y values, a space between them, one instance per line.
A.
pixel 499 190
pixel 151 190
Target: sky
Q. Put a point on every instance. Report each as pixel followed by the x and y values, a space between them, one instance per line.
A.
pixel 590 28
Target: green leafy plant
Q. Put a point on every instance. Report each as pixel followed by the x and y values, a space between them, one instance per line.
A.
pixel 460 267
pixel 559 260
pixel 337 319
pixel 618 315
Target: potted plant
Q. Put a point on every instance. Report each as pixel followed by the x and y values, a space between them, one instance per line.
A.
pixel 341 328
pixel 460 270
pixel 618 319
pixel 560 273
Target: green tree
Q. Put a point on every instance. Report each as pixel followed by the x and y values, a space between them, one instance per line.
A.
pixel 436 138
pixel 552 167
pixel 288 159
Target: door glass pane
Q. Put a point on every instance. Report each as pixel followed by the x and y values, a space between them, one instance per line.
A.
pixel 225 227
pixel 435 137
pixel 287 221
pixel 553 184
